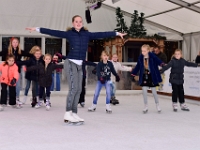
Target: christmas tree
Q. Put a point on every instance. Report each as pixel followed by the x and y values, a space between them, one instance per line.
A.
pixel 121 24
pixel 141 29
pixel 133 30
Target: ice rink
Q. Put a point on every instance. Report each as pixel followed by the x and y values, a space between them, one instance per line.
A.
pixel 127 128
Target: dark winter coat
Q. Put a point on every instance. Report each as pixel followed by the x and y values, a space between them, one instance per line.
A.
pixel 78 41
pixel 177 70
pixel 162 56
pixel 45 75
pixel 31 75
pixel 104 70
pixel 197 60
pixel 154 62
pixel 18 57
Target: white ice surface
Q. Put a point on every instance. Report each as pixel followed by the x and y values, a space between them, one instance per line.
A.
pixel 127 128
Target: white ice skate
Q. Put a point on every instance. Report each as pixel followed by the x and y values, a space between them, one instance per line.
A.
pixel 24 99
pixel 39 104
pixel 48 105
pixel 69 119
pixel 81 121
pixel 175 107
pixel 145 110
pixel 18 104
pixel 108 109
pixel 92 108
pixel 158 108
pixel 184 107
pixel 1 107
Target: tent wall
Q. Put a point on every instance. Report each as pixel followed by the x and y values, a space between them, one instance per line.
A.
pixel 191 46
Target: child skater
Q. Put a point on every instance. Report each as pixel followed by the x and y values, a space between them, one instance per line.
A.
pixel 118 67
pixel 78 38
pixel 14 49
pixel 104 70
pixel 33 75
pixel 177 78
pixel 149 74
pixel 9 77
pixel 45 79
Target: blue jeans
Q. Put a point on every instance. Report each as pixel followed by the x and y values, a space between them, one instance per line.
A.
pixel 112 88
pixel 28 84
pixel 18 86
pixel 57 82
pixel 98 89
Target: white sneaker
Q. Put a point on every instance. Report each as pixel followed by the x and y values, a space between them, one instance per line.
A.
pixel 24 99
pixel 69 118
pixel 92 108
pixel 158 107
pixel 77 117
pixel 48 105
pixel 145 110
pixel 39 104
pixel 108 108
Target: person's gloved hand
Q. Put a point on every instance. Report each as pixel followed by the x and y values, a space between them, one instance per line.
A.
pixel 94 71
pixel 102 80
pixel 117 79
pixel 13 81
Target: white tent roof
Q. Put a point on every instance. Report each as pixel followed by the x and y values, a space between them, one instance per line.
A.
pixel 57 14
pixel 173 14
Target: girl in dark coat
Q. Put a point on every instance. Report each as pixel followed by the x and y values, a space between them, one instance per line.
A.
pixel 45 79
pixel 149 74
pixel 177 78
pixel 78 38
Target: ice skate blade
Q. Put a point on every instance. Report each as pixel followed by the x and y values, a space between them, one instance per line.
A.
pixel 159 112
pixel 185 109
pixel 73 123
pixel 145 112
pixel 108 112
pixel 175 110
pixel 91 110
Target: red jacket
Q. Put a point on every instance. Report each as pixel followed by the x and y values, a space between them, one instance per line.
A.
pixel 8 73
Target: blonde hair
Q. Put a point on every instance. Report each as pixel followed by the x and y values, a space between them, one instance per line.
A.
pixel 146 46
pixel 10 46
pixel 104 52
pixel 47 55
pixel 177 50
pixel 33 50
pixel 114 54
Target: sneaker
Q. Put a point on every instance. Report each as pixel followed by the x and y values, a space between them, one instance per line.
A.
pixel 158 107
pixel 92 108
pixel 77 117
pixel 48 105
pixel 39 104
pixel 82 104
pixel 145 110
pixel 175 106
pixel 108 108
pixel 184 107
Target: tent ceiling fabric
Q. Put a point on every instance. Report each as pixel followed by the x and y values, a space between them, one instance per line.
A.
pixel 182 20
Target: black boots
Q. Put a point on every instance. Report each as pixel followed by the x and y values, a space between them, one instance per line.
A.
pixel 114 101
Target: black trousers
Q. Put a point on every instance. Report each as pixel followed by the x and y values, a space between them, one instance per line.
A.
pixel 178 92
pixel 82 96
pixel 12 94
pixel 42 92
